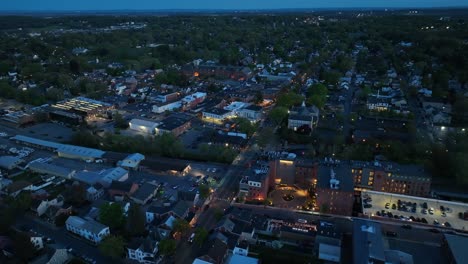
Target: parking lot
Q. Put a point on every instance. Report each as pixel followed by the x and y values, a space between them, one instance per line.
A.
pixel 411 208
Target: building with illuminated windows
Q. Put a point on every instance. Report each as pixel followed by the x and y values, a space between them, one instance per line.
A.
pixel 391 177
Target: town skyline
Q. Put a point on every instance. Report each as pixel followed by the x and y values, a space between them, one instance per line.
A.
pixel 87 5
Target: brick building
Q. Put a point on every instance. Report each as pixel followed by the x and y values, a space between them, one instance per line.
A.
pixel 306 172
pixel 391 177
pixel 335 190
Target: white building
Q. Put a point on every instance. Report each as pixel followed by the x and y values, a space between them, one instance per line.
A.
pixel 145 126
pixel 37 242
pixel 142 250
pixel 217 115
pixel 88 229
pixel 132 161
pixel 251 112
pixel 161 108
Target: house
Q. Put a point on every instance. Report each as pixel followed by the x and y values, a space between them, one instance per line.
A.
pixel 251 112
pixel 60 256
pixel 37 241
pixel 376 103
pixel 155 212
pixel 242 248
pixel 255 185
pixel 41 206
pixel 160 108
pixel 144 126
pixel 303 116
pixel 143 250
pixel 87 229
pixel 217 251
pixel 132 162
pixel 123 189
pixel 145 192
pixel 94 192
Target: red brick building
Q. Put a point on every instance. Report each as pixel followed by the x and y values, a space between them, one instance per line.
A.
pixel 392 178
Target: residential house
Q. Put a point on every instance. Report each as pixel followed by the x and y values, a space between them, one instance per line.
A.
pixel 41 206
pixel 37 241
pixel 94 192
pixel 122 189
pixel 143 250
pixel 145 192
pixel 217 252
pixel 87 228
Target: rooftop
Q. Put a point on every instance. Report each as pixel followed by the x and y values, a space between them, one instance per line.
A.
pixel 457 245
pixel 90 225
pixel 367 242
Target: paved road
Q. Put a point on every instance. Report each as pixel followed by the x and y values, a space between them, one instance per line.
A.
pixel 348 109
pixel 220 200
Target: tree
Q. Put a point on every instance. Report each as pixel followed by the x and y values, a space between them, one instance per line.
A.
pixel 22 202
pixel 167 247
pixel 201 234
pixel 113 246
pixel 23 247
pixel 204 191
pixel 266 136
pixel 317 95
pixel 61 219
pixel 136 220
pixel 289 99
pixel 244 125
pixel 111 214
pixel 181 226
pixel 278 114
pixel 258 97
pixel 120 122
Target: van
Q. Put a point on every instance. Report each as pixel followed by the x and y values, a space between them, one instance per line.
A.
pixel 302 221
pixel 190 239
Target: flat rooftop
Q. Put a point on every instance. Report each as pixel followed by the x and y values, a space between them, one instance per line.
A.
pixel 380 199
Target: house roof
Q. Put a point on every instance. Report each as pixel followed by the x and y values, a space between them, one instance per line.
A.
pixel 51 169
pixel 457 245
pixel 186 196
pixel 132 160
pixel 146 190
pixel 367 242
pixel 8 162
pixel 17 185
pixel 87 224
pixel 181 208
pixel 240 259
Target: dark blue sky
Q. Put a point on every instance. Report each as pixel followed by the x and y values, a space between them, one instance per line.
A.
pixel 216 4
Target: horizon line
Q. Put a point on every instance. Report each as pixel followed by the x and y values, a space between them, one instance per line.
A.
pixel 237 9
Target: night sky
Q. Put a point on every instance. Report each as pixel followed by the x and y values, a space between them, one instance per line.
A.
pixel 44 5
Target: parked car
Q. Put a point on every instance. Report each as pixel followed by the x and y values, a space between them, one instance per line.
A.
pixel 391 234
